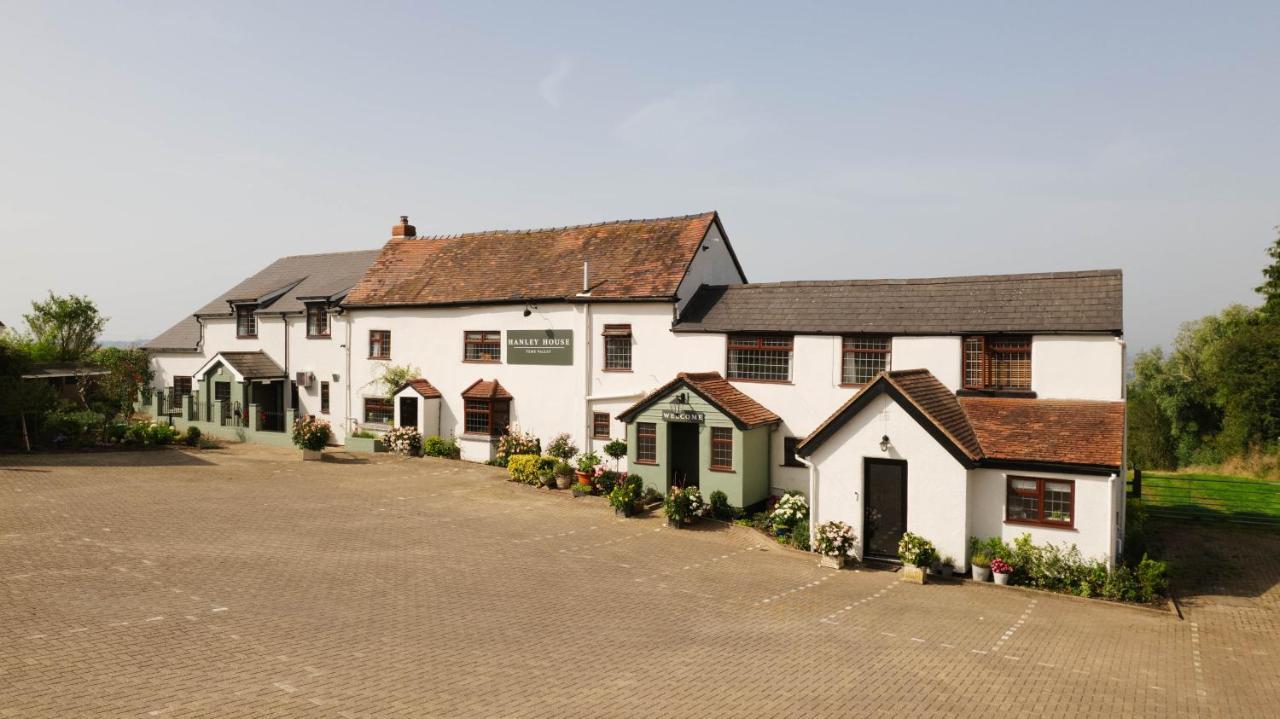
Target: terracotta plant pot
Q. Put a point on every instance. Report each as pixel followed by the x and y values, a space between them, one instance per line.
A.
pixel 583 478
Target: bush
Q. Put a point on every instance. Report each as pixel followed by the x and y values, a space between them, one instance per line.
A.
pixel 916 550
pixel 582 490
pixel 436 446
pixel 311 433
pixel 116 432
pixel 789 512
pixel 160 434
pixel 651 495
pixel 1061 568
pixel 606 480
pixel 799 537
pixel 616 449
pixel 683 504
pixel 524 468
pixel 562 447
pixel 364 434
pixel 516 442
pixel 625 493
pixel 404 440
pixel 588 462
pixel 835 539
pixel 720 508
pixel 193 437
pixel 72 429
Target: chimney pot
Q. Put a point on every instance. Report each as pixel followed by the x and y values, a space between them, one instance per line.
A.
pixel 403 228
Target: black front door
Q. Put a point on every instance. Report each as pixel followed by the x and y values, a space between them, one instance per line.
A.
pixel 682 447
pixel 884 507
pixel 409 412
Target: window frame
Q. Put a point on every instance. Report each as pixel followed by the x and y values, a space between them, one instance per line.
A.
pixel 987 361
pixel 385 345
pixel 737 342
pixel 391 409
pixel 324 397
pixel 721 440
pixel 789 452
pixel 495 406
pixel 485 339
pixel 317 310
pixel 595 425
pixel 179 390
pixel 846 353
pixel 617 333
pixel 246 315
pixel 1038 495
pixel 646 430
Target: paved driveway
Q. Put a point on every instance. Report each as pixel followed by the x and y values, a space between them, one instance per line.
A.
pixel 243 582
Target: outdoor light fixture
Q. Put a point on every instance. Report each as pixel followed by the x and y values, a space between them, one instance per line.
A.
pixel 884 443
pixel 528 309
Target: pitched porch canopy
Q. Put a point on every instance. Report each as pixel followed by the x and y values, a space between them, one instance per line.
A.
pixel 1077 435
pixel 245 366
pixel 698 429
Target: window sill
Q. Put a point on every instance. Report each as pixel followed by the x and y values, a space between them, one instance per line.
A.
pixel 319 337
pixel 722 470
pixel 246 337
pixel 615 369
pixel 651 463
pixel 604 438
pixel 1042 525
pixel 975 392
pixel 853 385
pixel 472 361
pixel 480 435
pixel 380 359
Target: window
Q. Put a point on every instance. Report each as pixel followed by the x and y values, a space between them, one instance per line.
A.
pixel 181 387
pixel 722 448
pixel 646 443
pixel 1040 501
pixel 380 344
pixel 324 398
pixel 378 410
pixel 789 445
pixel 864 358
pixel 486 416
pixel 997 362
pixel 482 347
pixel 600 425
pixel 760 358
pixel 246 322
pixel 617 348
pixel 317 320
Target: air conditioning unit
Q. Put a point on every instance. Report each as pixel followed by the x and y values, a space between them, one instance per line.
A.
pixel 304 379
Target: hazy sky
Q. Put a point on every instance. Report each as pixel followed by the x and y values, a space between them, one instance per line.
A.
pixel 153 154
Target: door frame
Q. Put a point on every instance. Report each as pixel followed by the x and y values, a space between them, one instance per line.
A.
pixel 867 462
pixel 399 409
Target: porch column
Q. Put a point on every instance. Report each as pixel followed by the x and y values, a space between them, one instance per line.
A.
pixel 290 416
pixel 186 407
pixel 216 409
pixel 253 418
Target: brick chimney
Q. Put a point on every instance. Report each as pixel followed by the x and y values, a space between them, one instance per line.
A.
pixel 403 229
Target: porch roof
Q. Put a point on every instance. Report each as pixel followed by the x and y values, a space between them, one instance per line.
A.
pixel 486 389
pixel 248 365
pixel 424 388
pixel 745 412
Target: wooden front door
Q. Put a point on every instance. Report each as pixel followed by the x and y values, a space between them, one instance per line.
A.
pixel 884 507
pixel 409 412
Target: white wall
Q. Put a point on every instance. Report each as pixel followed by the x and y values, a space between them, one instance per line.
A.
pixel 713 266
pixel 1095 510
pixel 1077 367
pixel 939 355
pixel 937 485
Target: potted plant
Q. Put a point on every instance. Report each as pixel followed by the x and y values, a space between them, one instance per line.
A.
pixel 1001 570
pixel 616 449
pixel 405 441
pixel 587 464
pixel 697 506
pixel 625 494
pixel 789 511
pixel 564 475
pixel 676 507
pixel 562 447
pixel 835 541
pixel 916 554
pixel 947 567
pixel 980 566
pixel 311 435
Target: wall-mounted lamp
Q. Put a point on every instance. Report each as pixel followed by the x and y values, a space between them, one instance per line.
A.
pixel 884 443
pixel 528 309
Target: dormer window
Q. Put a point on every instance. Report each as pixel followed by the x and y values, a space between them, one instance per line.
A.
pixel 997 362
pixel 317 320
pixel 246 322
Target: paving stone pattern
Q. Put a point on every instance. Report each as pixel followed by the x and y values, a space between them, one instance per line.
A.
pixel 245 582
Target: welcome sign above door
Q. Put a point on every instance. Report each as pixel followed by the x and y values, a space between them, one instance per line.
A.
pixel 544 347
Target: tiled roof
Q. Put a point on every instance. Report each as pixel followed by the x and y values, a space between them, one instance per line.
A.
pixel 1043 430
pixel 989 430
pixel 744 411
pixel 298 277
pixel 422 387
pixel 1088 301
pixel 486 389
pixel 253 365
pixel 634 259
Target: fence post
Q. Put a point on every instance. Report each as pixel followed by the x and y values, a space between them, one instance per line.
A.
pixel 217 410
pixel 186 407
pixel 254 418
pixel 1137 484
pixel 290 416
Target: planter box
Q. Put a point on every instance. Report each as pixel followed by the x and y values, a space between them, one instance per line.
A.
pixel 365 444
pixel 832 562
pixel 913 574
pixel 312 455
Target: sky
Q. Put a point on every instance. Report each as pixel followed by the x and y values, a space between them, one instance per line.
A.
pixel 153 154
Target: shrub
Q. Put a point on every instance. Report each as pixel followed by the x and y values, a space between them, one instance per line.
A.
pixel 363 434
pixel 651 495
pixel 616 449
pixel 516 442
pixel 160 434
pixel 436 446
pixel 404 440
pixel 116 432
pixel 799 537
pixel 311 433
pixel 606 480
pixel 720 508
pixel 916 550
pixel 588 462
pixel 562 447
pixel 683 504
pixel 1061 568
pixel 980 559
pixel 835 539
pixel 790 510
pixel 193 437
pixel 582 490
pixel 625 493
pixel 999 566
pixel 524 468
pixel 73 429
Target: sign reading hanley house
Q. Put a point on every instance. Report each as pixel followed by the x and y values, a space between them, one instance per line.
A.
pixel 547 347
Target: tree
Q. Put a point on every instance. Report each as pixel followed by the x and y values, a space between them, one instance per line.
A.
pixel 19 399
pixel 393 377
pixel 128 379
pixel 1270 288
pixel 65 329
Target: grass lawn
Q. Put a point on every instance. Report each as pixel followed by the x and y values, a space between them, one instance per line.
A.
pixel 1211 496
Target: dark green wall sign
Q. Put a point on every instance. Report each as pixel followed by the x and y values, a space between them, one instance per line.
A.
pixel 551 347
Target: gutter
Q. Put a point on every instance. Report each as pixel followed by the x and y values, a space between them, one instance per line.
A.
pixel 598 397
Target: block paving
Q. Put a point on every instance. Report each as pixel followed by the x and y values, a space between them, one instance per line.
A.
pixel 245 582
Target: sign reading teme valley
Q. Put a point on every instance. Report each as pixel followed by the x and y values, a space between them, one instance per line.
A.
pixel 548 347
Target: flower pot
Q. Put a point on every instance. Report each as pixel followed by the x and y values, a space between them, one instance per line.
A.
pixel 832 561
pixel 946 571
pixel 563 481
pixel 583 478
pixel 980 574
pixel 623 511
pixel 1002 577
pixel 913 574
pixel 674 523
pixel 312 455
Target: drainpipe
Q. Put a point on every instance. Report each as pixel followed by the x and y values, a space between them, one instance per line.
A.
pixel 347 410
pixel 1112 481
pixel 590 351
pixel 1122 504
pixel 813 498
